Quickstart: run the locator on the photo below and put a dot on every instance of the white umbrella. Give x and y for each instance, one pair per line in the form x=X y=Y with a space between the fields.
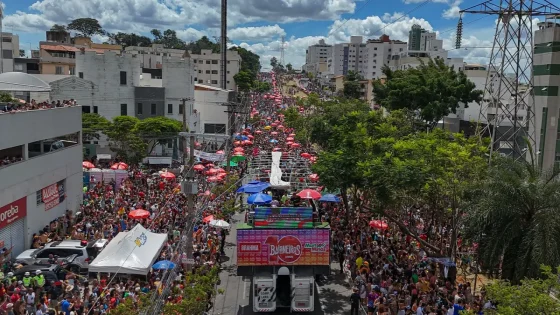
x=219 y=224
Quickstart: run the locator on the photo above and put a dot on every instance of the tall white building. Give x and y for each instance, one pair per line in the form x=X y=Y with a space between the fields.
x=10 y=50
x=317 y=56
x=46 y=180
x=380 y=52
x=208 y=68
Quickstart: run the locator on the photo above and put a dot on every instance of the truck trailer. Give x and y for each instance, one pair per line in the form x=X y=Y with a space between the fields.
x=283 y=262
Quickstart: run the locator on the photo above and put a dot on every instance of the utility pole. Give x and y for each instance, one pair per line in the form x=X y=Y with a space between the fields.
x=189 y=185
x=1 y=39
x=223 y=49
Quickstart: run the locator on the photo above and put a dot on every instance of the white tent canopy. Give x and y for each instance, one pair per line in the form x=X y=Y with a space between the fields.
x=20 y=81
x=132 y=252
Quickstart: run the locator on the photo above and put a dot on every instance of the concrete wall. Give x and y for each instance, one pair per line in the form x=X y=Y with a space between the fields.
x=30 y=126
x=178 y=80
x=144 y=97
x=105 y=70
x=210 y=106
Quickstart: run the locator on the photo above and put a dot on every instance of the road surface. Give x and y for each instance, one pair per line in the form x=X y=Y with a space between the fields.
x=331 y=294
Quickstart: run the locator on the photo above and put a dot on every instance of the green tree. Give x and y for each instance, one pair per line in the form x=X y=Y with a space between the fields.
x=514 y=215
x=158 y=130
x=58 y=28
x=93 y=125
x=532 y=296
x=22 y=52
x=262 y=87
x=168 y=38
x=86 y=27
x=124 y=139
x=274 y=62
x=352 y=85
x=130 y=39
x=243 y=80
x=289 y=68
x=204 y=42
x=6 y=97
x=250 y=62
x=433 y=89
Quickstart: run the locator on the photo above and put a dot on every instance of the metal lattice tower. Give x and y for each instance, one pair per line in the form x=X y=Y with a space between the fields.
x=507 y=110
x=282 y=50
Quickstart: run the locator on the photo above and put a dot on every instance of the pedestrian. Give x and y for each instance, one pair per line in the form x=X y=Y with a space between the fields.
x=355 y=302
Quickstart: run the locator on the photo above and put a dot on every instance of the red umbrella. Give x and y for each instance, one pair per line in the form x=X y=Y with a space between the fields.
x=167 y=175
x=309 y=194
x=247 y=142
x=290 y=139
x=212 y=171
x=279 y=127
x=295 y=145
x=238 y=149
x=251 y=137
x=198 y=167
x=238 y=154
x=314 y=177
x=276 y=149
x=214 y=179
x=274 y=133
x=208 y=219
x=292 y=135
x=220 y=152
x=119 y=166
x=378 y=224
x=305 y=155
x=258 y=132
x=220 y=170
x=139 y=214
x=87 y=164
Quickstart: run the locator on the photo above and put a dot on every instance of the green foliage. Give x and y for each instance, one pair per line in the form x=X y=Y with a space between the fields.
x=92 y=126
x=86 y=27
x=515 y=216
x=22 y=52
x=124 y=139
x=158 y=130
x=168 y=38
x=532 y=296
x=244 y=81
x=250 y=61
x=58 y=28
x=6 y=97
x=433 y=89
x=262 y=87
x=273 y=62
x=352 y=86
x=130 y=39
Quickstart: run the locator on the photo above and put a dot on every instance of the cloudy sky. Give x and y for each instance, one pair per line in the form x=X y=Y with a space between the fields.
x=259 y=24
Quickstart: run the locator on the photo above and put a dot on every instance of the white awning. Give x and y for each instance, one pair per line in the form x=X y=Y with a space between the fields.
x=20 y=81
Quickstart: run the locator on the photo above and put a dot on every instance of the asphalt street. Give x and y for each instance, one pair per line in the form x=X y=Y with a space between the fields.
x=331 y=294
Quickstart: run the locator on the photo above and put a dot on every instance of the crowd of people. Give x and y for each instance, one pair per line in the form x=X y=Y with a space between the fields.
x=22 y=106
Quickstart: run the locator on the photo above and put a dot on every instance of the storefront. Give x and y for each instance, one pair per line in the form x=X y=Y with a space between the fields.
x=12 y=225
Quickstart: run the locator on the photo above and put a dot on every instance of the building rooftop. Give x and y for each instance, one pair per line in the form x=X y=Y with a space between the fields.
x=202 y=87
x=59 y=48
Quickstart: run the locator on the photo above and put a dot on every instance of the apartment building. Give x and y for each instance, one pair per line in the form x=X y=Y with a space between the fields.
x=380 y=52
x=10 y=51
x=208 y=68
x=546 y=90
x=316 y=58
x=419 y=38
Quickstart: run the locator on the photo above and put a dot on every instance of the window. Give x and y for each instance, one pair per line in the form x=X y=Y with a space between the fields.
x=214 y=71
x=153 y=109
x=86 y=109
x=139 y=109
x=95 y=110
x=81 y=75
x=227 y=82
x=123 y=77
x=123 y=109
x=214 y=62
x=200 y=81
x=207 y=62
x=214 y=81
x=207 y=71
x=7 y=54
x=201 y=61
x=228 y=71
x=72 y=70
x=199 y=71
x=228 y=62
x=6 y=39
x=58 y=70
x=215 y=128
x=170 y=108
x=170 y=144
x=181 y=108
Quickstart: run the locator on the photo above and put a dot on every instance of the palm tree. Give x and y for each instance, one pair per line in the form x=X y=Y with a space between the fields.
x=515 y=217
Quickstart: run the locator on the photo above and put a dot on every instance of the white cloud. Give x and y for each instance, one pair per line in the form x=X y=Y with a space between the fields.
x=256 y=33
x=374 y=26
x=453 y=11
x=190 y=34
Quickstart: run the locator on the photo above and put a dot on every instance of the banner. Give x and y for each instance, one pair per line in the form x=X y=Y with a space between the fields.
x=12 y=212
x=260 y=247
x=283 y=218
x=213 y=157
x=50 y=196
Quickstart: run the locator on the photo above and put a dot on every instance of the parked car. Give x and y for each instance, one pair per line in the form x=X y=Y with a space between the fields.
x=85 y=253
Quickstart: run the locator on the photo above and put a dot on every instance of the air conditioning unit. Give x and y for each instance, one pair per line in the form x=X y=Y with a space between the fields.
x=189 y=187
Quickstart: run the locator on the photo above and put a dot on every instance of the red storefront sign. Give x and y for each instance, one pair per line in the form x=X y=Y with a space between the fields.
x=12 y=212
x=50 y=196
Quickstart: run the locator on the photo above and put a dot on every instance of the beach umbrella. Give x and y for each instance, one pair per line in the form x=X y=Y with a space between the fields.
x=219 y=224
x=208 y=219
x=139 y=214
x=163 y=265
x=87 y=164
x=259 y=199
x=238 y=158
x=198 y=167
x=378 y=224
x=167 y=175
x=309 y=194
x=329 y=198
x=119 y=166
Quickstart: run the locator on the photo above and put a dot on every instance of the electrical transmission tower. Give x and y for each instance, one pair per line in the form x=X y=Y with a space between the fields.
x=282 y=49
x=507 y=113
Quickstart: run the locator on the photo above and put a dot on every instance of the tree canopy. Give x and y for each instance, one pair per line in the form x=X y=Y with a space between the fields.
x=124 y=139
x=168 y=38
x=93 y=125
x=352 y=85
x=433 y=89
x=158 y=130
x=86 y=27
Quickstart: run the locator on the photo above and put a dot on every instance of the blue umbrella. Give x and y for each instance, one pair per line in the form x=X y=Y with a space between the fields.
x=164 y=264
x=253 y=188
x=329 y=198
x=253 y=182
x=259 y=199
x=273 y=141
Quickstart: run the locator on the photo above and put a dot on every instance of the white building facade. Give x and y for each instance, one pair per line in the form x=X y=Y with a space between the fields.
x=208 y=68
x=10 y=50
x=47 y=181
x=317 y=57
